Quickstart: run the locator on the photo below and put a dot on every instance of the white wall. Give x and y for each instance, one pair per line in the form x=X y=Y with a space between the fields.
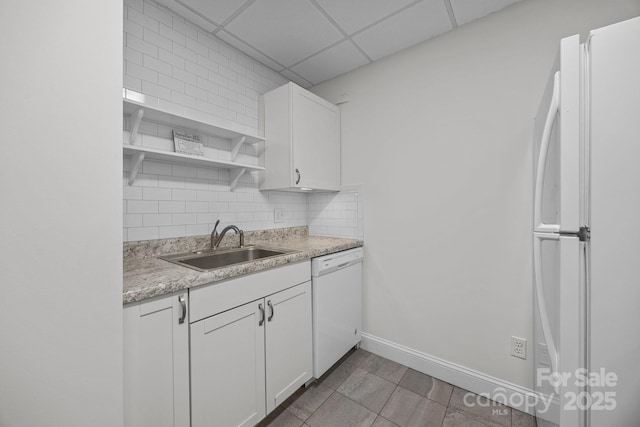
x=448 y=206
x=60 y=222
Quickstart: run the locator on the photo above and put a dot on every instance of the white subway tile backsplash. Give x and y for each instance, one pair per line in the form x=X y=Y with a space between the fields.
x=145 y=180
x=139 y=17
x=136 y=4
x=140 y=72
x=183 y=171
x=186 y=68
x=131 y=27
x=132 y=220
x=157 y=12
x=207 y=173
x=132 y=55
x=171 y=231
x=196 y=69
x=132 y=193
x=167 y=31
x=206 y=196
x=186 y=195
x=205 y=218
x=133 y=83
x=155 y=64
x=228 y=197
x=157 y=168
x=142 y=233
x=171 y=181
x=182 y=99
x=165 y=206
x=196 y=207
x=219 y=207
x=156 y=90
x=154 y=220
x=156 y=39
x=228 y=73
x=197 y=184
x=142 y=206
x=184 y=52
x=208 y=41
x=153 y=193
x=196 y=92
x=336 y=214
x=209 y=64
x=184 y=219
x=141 y=45
x=198 y=47
x=170 y=82
x=184 y=76
x=197 y=229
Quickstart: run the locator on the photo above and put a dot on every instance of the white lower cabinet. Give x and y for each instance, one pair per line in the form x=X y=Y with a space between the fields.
x=248 y=357
x=247 y=349
x=227 y=368
x=248 y=360
x=289 y=349
x=156 y=363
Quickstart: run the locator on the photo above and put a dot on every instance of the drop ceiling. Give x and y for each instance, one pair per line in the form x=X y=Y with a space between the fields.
x=310 y=41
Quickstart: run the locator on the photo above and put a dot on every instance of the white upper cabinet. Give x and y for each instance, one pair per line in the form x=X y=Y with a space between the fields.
x=302 y=133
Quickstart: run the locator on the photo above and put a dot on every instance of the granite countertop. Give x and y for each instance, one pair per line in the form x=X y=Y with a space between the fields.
x=146 y=276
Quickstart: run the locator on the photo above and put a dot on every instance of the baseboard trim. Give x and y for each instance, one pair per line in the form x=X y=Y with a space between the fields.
x=515 y=396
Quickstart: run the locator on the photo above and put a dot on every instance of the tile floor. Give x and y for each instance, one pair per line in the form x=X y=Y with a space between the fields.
x=364 y=389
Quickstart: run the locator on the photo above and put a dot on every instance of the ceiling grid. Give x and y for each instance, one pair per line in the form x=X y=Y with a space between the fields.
x=311 y=41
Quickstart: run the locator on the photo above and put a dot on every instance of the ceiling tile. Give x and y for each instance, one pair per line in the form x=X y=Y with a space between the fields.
x=354 y=15
x=332 y=62
x=426 y=19
x=296 y=78
x=217 y=11
x=286 y=30
x=243 y=47
x=468 y=10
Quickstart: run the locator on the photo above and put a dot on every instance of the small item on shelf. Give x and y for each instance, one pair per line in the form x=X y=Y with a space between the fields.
x=187 y=143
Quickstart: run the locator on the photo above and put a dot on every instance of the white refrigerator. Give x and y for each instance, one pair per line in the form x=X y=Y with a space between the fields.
x=586 y=238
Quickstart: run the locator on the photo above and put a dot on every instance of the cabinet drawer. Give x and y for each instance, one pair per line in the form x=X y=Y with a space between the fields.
x=217 y=297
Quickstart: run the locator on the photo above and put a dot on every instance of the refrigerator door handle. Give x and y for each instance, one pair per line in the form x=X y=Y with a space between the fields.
x=554 y=108
x=542 y=306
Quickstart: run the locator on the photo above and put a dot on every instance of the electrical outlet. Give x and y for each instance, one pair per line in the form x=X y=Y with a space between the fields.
x=279 y=215
x=519 y=347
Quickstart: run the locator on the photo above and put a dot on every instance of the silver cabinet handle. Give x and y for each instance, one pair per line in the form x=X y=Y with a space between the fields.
x=261 y=308
x=299 y=176
x=271 y=308
x=183 y=305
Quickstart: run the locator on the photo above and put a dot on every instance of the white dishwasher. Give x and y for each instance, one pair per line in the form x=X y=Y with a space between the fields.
x=337 y=306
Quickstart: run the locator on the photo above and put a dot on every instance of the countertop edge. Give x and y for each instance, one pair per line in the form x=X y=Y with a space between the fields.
x=153 y=277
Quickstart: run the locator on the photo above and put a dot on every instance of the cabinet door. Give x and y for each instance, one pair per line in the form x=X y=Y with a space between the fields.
x=316 y=141
x=227 y=368
x=156 y=363
x=289 y=347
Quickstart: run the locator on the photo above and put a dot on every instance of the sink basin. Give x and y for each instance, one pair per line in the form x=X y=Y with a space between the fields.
x=212 y=259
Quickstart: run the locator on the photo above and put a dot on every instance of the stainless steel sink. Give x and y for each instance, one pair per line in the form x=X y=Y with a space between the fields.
x=212 y=259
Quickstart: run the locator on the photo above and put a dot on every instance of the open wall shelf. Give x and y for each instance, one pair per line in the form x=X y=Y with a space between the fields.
x=140 y=106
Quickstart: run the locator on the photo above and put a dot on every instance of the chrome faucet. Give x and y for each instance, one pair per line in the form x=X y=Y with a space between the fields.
x=217 y=238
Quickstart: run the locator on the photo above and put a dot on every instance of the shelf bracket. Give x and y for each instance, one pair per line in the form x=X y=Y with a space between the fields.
x=136 y=126
x=237 y=143
x=235 y=176
x=136 y=164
